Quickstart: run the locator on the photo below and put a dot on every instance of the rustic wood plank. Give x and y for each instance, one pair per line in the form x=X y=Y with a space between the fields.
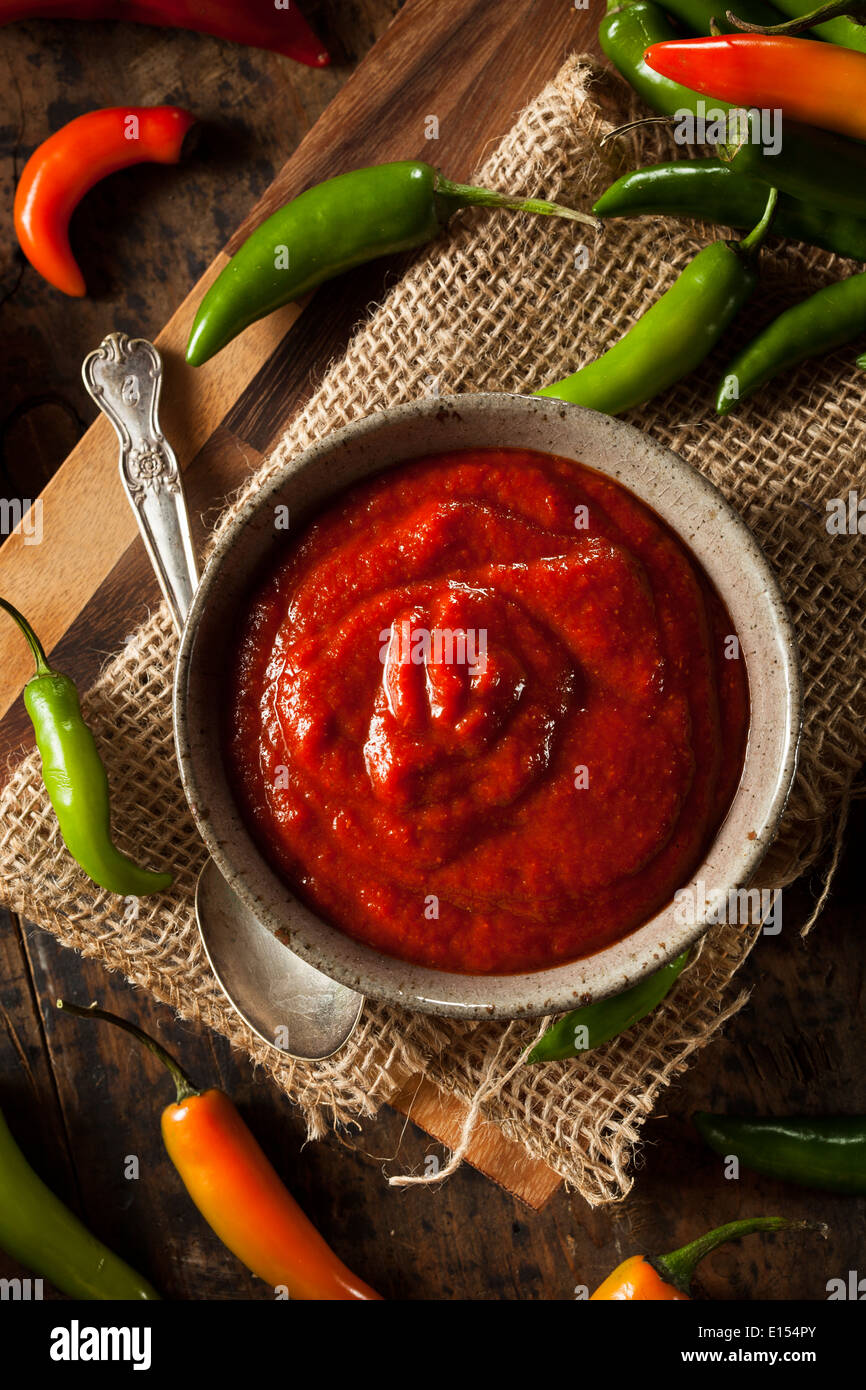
x=507 y=1163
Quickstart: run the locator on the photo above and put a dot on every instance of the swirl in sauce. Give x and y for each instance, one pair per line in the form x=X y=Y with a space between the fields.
x=481 y=716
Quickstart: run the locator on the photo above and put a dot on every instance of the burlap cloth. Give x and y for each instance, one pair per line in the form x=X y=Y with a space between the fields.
x=500 y=303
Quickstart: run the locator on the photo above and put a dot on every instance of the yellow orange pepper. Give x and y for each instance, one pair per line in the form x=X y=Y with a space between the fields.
x=668 y=1277
x=240 y=1196
x=237 y=1189
x=636 y=1280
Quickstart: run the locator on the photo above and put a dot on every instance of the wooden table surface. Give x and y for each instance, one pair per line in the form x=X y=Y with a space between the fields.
x=80 y=1099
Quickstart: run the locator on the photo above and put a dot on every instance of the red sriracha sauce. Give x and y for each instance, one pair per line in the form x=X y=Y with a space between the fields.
x=482 y=716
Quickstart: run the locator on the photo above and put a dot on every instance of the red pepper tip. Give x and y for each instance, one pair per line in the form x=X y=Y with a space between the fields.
x=310 y=57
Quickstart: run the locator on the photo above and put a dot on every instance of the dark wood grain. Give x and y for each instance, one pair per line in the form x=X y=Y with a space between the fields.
x=147 y=234
x=80 y=1098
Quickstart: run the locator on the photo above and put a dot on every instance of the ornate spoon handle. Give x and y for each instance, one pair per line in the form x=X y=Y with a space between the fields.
x=124 y=375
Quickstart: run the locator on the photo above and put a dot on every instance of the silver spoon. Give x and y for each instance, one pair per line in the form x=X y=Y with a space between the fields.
x=290 y=1005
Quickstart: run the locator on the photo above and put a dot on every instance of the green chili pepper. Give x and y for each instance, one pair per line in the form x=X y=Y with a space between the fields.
x=334 y=226
x=709 y=190
x=836 y=29
x=825 y=1153
x=605 y=1019
x=625 y=33
x=675 y=334
x=705 y=16
x=823 y=170
x=75 y=778
x=826 y=320
x=43 y=1235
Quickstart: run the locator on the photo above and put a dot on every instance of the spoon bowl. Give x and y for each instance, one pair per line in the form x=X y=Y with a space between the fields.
x=286 y=1002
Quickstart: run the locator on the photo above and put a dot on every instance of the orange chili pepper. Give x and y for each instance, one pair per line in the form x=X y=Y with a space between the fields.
x=237 y=1190
x=668 y=1277
x=813 y=82
x=66 y=165
x=636 y=1279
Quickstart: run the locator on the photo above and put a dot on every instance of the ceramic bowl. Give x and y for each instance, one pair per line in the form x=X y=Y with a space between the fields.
x=684 y=498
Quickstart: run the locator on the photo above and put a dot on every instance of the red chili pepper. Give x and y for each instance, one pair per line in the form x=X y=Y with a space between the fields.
x=256 y=23
x=816 y=83
x=59 y=173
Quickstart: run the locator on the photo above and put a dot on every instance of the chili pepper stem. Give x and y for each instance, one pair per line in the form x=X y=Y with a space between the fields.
x=836 y=10
x=633 y=125
x=752 y=243
x=183 y=1084
x=42 y=667
x=679 y=1266
x=461 y=195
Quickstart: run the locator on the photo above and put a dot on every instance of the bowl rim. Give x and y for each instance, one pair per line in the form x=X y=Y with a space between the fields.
x=531 y=994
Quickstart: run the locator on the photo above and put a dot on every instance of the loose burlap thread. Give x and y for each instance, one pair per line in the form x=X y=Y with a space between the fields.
x=501 y=304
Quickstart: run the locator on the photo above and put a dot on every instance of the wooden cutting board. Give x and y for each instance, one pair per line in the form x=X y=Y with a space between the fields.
x=471 y=63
